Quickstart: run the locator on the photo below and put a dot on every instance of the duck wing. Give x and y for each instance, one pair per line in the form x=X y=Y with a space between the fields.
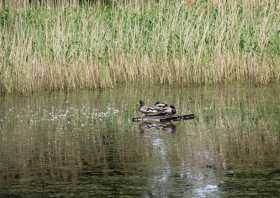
x=160 y=104
x=152 y=111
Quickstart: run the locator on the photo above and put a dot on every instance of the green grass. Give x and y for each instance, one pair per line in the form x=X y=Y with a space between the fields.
x=154 y=43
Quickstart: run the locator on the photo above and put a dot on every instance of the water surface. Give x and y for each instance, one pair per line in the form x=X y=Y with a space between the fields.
x=83 y=144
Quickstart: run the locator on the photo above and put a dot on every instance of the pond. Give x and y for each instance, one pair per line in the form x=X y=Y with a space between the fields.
x=84 y=144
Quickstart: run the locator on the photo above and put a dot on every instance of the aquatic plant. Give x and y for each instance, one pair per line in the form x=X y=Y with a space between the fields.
x=178 y=42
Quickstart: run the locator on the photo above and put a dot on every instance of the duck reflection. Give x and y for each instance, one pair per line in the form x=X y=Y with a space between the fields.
x=146 y=126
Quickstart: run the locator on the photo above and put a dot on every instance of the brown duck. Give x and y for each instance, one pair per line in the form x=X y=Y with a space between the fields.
x=157 y=109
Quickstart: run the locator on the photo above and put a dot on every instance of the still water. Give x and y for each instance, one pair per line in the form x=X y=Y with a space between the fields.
x=84 y=144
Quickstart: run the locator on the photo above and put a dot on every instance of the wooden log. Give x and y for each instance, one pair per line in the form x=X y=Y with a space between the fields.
x=163 y=118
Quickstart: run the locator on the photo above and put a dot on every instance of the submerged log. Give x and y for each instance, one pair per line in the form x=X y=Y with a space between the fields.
x=165 y=118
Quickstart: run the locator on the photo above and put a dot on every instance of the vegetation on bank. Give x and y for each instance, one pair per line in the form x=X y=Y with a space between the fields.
x=165 y=42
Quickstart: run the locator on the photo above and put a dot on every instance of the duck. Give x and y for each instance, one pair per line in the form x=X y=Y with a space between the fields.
x=169 y=109
x=157 y=109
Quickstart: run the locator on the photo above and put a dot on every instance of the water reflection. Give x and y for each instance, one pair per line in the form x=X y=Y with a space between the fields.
x=84 y=144
x=168 y=127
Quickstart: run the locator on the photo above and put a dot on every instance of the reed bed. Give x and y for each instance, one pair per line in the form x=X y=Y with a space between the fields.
x=174 y=43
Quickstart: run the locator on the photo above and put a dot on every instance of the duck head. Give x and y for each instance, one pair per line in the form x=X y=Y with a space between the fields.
x=173 y=109
x=141 y=103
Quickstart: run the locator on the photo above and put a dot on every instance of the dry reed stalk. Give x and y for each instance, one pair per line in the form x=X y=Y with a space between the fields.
x=66 y=48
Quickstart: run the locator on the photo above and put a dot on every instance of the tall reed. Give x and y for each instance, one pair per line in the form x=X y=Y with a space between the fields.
x=178 y=42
